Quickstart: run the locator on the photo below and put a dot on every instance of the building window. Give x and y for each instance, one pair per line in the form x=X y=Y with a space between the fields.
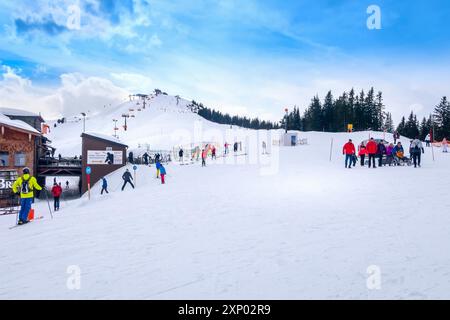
x=4 y=159
x=20 y=159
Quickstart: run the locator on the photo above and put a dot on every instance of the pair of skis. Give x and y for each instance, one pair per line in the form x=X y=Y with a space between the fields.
x=20 y=225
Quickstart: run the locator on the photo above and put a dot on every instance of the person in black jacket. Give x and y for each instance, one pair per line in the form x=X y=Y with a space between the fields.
x=381 y=151
x=127 y=178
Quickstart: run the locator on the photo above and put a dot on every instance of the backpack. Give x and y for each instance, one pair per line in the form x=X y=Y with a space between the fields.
x=25 y=188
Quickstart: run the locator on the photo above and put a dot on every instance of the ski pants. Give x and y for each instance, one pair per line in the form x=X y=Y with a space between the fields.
x=417 y=158
x=25 y=207
x=125 y=183
x=372 y=160
x=104 y=189
x=380 y=160
x=203 y=162
x=163 y=181
x=56 y=203
x=157 y=173
x=363 y=158
x=348 y=160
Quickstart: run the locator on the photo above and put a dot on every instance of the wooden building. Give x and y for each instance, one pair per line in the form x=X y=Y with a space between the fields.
x=103 y=154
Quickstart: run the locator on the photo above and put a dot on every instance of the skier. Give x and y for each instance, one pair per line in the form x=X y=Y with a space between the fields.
x=213 y=152
x=235 y=147
x=381 y=151
x=180 y=154
x=56 y=193
x=348 y=150
x=428 y=140
x=372 y=151
x=24 y=186
x=226 y=148
x=146 y=158
x=104 y=185
x=162 y=173
x=67 y=184
x=362 y=153
x=445 y=145
x=264 y=146
x=204 y=155
x=131 y=158
x=416 y=151
x=158 y=169
x=127 y=178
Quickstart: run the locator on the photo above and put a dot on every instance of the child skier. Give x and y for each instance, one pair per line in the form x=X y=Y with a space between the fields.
x=56 y=193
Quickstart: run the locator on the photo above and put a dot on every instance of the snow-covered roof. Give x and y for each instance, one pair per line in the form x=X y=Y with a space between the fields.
x=18 y=112
x=17 y=124
x=104 y=137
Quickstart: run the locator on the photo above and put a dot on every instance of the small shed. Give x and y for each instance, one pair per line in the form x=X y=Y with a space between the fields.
x=104 y=154
x=290 y=139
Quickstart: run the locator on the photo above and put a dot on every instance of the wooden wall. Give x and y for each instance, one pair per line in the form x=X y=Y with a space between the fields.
x=13 y=141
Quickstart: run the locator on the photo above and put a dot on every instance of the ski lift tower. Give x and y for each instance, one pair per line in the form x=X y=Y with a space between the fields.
x=125 y=116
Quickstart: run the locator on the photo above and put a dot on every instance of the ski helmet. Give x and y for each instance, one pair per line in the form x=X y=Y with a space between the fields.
x=26 y=170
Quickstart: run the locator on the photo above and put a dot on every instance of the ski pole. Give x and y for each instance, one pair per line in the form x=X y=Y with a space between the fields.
x=48 y=202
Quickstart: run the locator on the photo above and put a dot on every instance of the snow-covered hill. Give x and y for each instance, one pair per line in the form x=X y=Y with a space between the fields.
x=165 y=122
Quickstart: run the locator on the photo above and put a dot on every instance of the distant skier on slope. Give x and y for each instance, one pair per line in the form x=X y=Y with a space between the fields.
x=416 y=151
x=104 y=185
x=444 y=145
x=372 y=148
x=56 y=193
x=204 y=155
x=24 y=186
x=127 y=178
x=213 y=152
x=162 y=173
x=348 y=150
x=180 y=154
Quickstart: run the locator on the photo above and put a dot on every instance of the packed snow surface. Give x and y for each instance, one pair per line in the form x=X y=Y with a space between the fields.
x=311 y=229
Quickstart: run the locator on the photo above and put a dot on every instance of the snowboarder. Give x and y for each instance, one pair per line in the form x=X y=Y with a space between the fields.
x=445 y=145
x=56 y=193
x=204 y=155
x=372 y=148
x=24 y=186
x=104 y=185
x=127 y=178
x=348 y=150
x=428 y=140
x=362 y=153
x=381 y=151
x=162 y=173
x=180 y=154
x=416 y=151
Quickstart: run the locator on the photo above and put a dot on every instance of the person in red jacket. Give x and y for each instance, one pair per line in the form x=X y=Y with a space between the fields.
x=362 y=153
x=372 y=148
x=349 y=151
x=56 y=193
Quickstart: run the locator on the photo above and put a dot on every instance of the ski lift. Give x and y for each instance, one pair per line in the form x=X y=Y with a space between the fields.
x=133 y=116
x=131 y=109
x=139 y=109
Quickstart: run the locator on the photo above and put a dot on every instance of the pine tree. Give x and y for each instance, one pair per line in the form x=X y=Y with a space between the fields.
x=442 y=119
x=388 y=123
x=328 y=111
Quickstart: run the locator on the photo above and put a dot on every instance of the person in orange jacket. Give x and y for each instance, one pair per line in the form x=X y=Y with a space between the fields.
x=349 y=151
x=372 y=148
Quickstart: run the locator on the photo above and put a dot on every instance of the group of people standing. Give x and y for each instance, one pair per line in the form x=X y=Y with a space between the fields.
x=373 y=150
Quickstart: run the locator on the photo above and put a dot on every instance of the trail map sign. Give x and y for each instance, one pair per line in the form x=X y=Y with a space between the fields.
x=104 y=157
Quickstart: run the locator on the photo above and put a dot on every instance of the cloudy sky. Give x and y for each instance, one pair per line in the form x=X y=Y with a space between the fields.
x=252 y=57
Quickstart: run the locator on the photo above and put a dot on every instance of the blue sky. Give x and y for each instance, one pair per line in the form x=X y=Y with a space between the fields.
x=253 y=57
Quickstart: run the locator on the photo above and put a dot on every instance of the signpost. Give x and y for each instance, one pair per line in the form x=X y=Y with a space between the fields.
x=88 y=180
x=135 y=169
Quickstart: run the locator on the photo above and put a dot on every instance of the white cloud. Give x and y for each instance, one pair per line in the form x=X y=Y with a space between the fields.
x=75 y=94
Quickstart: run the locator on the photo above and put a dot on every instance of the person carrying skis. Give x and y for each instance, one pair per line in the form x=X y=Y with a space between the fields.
x=104 y=185
x=56 y=193
x=349 y=150
x=372 y=148
x=162 y=173
x=362 y=153
x=24 y=186
x=204 y=155
x=127 y=178
x=381 y=151
x=416 y=151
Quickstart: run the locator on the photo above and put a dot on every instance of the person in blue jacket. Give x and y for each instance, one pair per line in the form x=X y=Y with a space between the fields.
x=158 y=168
x=104 y=185
x=162 y=172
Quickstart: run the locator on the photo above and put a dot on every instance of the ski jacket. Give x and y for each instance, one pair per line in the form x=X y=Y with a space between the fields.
x=362 y=150
x=158 y=165
x=389 y=150
x=204 y=154
x=416 y=146
x=381 y=149
x=127 y=176
x=32 y=184
x=104 y=183
x=56 y=191
x=349 y=148
x=428 y=137
x=371 y=147
x=396 y=150
x=162 y=170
